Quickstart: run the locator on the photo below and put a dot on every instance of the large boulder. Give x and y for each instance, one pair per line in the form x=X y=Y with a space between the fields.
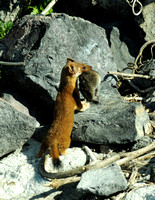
x=44 y=43
x=113 y=121
x=15 y=128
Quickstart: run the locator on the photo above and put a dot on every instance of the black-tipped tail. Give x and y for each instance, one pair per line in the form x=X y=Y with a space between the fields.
x=57 y=163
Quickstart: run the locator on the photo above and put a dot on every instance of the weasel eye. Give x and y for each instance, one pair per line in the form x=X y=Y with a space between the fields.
x=84 y=67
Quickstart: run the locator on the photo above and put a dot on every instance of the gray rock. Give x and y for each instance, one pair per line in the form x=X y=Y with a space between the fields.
x=44 y=43
x=20 y=179
x=15 y=128
x=71 y=37
x=120 y=50
x=75 y=157
x=113 y=121
x=104 y=181
x=15 y=103
x=147 y=20
x=143 y=142
x=124 y=44
x=143 y=193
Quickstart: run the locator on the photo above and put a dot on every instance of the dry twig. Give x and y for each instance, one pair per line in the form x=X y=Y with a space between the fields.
x=91 y=155
x=131 y=75
x=120 y=196
x=133 y=176
x=120 y=159
x=133 y=98
x=136 y=67
x=56 y=183
x=11 y=63
x=49 y=6
x=135 y=154
x=140 y=160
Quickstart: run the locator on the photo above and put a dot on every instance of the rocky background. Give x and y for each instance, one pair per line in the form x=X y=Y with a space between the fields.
x=107 y=36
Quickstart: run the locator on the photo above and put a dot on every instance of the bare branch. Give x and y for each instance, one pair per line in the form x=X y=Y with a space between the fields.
x=132 y=75
x=133 y=176
x=135 y=154
x=119 y=159
x=56 y=183
x=91 y=155
x=49 y=6
x=133 y=98
x=11 y=63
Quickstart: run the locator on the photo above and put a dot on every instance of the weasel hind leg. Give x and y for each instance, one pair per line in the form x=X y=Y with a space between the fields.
x=65 y=143
x=42 y=151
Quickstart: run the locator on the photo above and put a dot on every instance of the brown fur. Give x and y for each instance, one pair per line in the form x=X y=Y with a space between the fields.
x=67 y=101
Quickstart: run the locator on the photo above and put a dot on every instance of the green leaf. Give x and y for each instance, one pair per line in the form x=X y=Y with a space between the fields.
x=34 y=10
x=5 y=28
x=41 y=8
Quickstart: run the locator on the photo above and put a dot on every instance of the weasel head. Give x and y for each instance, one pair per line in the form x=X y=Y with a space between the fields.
x=74 y=69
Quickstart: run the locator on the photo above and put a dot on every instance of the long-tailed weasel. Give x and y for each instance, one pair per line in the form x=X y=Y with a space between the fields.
x=67 y=101
x=89 y=83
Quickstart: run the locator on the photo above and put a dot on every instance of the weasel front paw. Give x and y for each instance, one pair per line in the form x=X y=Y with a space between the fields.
x=85 y=105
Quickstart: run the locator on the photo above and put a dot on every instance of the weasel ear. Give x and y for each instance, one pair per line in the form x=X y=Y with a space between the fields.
x=90 y=67
x=69 y=59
